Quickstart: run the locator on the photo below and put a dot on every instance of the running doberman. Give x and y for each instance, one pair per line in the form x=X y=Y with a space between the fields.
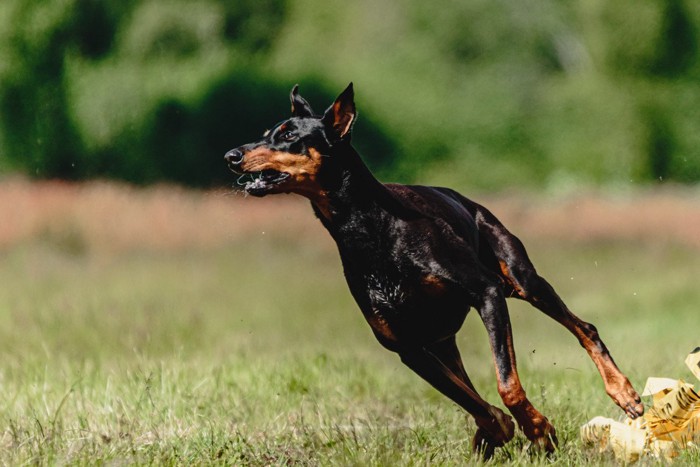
x=416 y=259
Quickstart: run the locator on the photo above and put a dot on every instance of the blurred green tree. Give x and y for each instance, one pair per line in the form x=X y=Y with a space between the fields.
x=485 y=93
x=141 y=90
x=37 y=127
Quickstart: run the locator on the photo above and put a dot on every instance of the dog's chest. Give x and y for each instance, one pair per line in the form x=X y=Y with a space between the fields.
x=386 y=294
x=387 y=277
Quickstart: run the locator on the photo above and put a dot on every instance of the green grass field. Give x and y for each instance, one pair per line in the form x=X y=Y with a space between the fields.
x=253 y=353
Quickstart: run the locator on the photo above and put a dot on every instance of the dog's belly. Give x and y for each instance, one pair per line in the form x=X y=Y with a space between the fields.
x=409 y=312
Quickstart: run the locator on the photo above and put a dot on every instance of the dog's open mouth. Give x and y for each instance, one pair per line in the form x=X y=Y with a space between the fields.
x=259 y=183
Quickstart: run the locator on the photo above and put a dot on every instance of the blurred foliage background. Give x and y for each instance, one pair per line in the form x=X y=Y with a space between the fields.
x=480 y=93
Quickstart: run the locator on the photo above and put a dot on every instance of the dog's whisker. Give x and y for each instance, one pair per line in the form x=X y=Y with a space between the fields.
x=232 y=192
x=241 y=180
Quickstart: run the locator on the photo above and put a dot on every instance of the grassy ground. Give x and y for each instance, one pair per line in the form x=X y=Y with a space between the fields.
x=248 y=350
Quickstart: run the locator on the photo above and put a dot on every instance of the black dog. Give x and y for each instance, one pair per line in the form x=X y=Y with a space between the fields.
x=416 y=259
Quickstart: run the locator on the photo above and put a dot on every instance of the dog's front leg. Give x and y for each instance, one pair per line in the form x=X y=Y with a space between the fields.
x=494 y=313
x=495 y=427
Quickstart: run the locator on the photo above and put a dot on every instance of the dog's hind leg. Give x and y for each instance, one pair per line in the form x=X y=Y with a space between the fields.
x=441 y=366
x=518 y=272
x=447 y=352
x=493 y=311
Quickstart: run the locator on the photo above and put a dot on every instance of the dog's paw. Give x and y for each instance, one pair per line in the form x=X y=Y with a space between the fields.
x=546 y=438
x=626 y=397
x=495 y=434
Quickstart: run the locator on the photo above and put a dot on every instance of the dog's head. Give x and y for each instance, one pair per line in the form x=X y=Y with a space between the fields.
x=288 y=158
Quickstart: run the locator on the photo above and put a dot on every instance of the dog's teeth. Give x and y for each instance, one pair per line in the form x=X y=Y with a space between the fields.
x=256 y=183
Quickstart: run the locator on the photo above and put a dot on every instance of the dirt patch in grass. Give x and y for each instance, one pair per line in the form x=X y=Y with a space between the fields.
x=112 y=217
x=107 y=216
x=668 y=215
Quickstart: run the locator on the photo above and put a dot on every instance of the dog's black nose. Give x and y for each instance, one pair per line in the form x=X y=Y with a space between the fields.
x=234 y=156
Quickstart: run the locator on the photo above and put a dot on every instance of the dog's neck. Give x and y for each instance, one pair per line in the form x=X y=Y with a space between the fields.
x=350 y=191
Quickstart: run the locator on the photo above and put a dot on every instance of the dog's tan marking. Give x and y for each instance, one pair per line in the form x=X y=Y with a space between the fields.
x=432 y=284
x=382 y=330
x=513 y=283
x=302 y=169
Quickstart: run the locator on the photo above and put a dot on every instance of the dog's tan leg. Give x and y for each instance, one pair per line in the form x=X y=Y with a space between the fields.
x=518 y=272
x=616 y=383
x=538 y=292
x=494 y=314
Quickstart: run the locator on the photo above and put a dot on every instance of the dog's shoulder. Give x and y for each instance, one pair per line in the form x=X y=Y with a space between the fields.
x=431 y=201
x=438 y=203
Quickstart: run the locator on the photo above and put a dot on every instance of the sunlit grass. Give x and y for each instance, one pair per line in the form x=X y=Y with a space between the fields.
x=252 y=352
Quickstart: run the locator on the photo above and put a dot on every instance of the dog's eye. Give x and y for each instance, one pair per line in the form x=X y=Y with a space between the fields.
x=287 y=136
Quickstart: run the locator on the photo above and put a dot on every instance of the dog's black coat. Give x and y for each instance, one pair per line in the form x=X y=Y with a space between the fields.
x=416 y=259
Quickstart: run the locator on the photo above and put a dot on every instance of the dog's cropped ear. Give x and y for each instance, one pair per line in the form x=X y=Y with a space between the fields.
x=340 y=116
x=300 y=108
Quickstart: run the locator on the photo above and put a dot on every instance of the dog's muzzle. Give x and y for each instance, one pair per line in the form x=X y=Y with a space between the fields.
x=257 y=183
